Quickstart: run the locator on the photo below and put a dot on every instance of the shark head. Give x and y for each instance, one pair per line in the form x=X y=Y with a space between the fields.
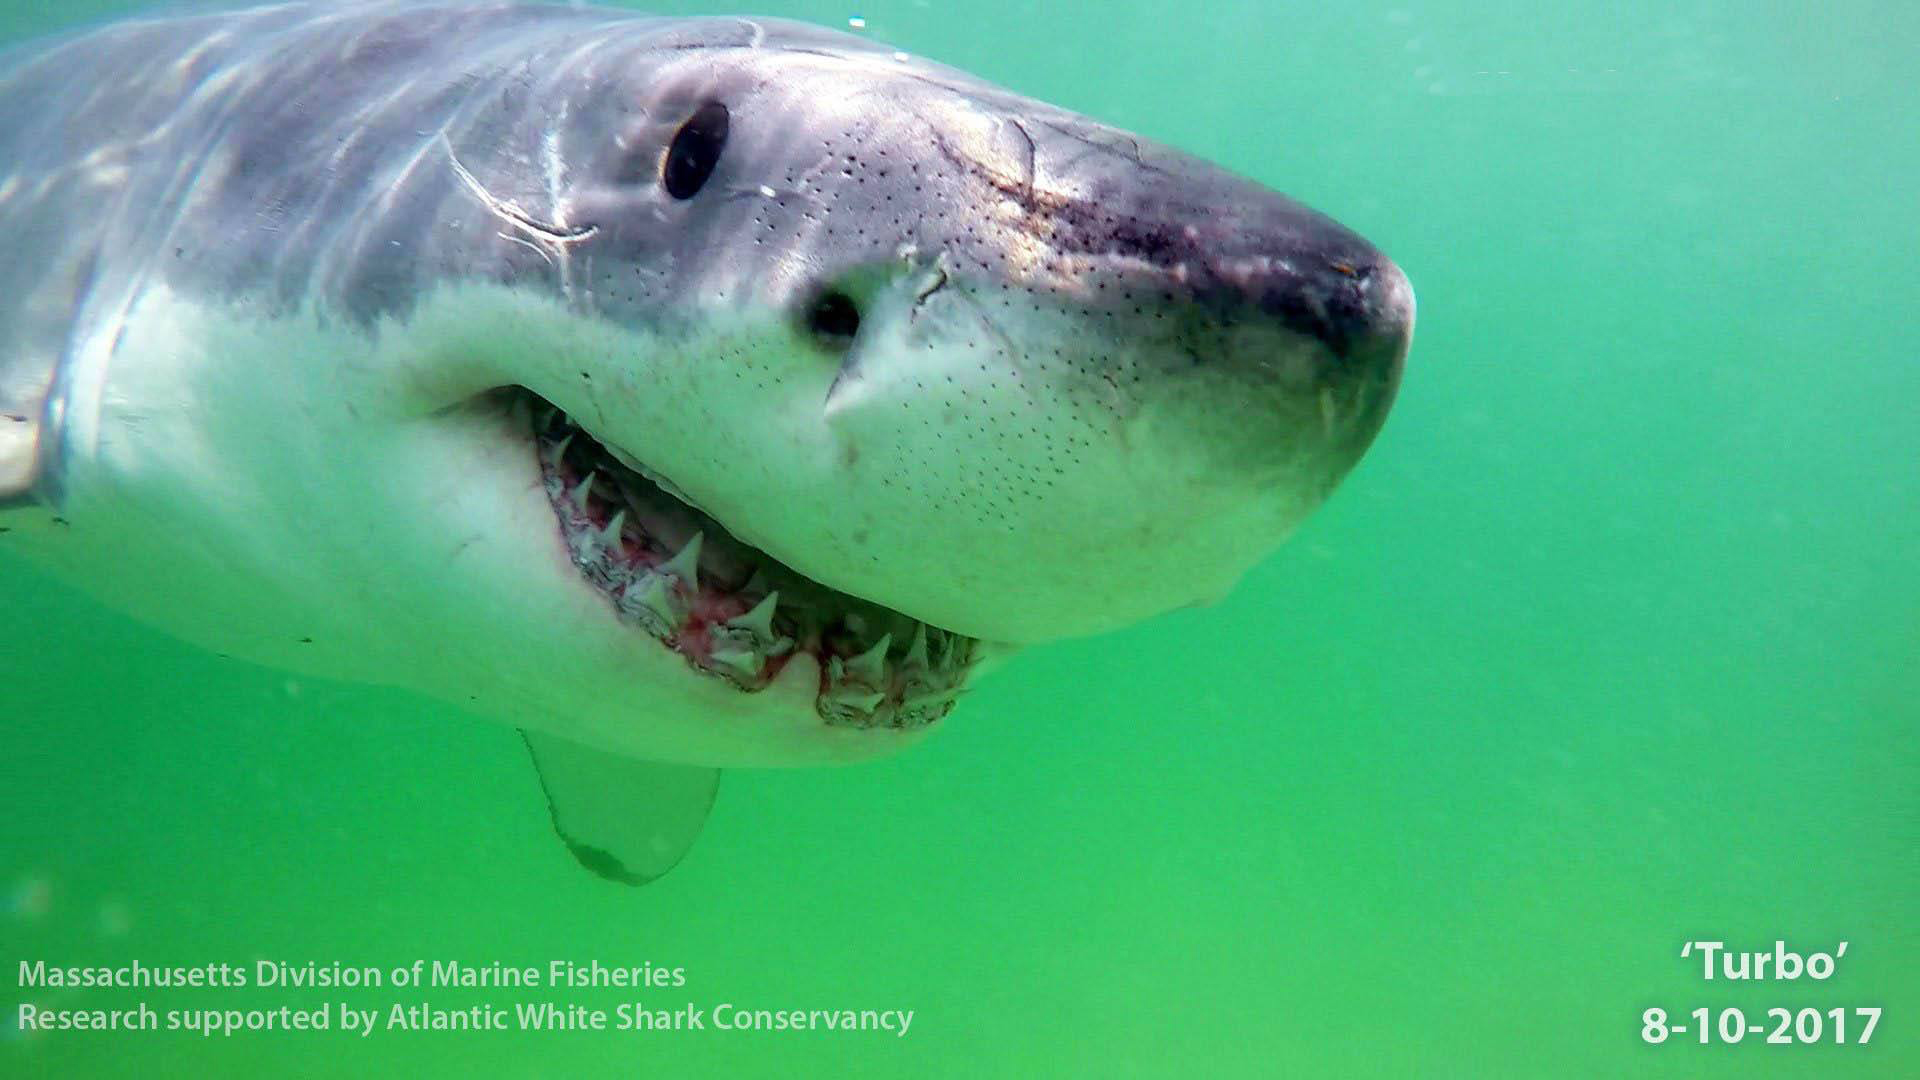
x=967 y=356
x=902 y=371
x=729 y=392
x=962 y=367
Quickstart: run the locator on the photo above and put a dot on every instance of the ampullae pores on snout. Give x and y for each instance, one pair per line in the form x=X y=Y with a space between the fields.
x=686 y=392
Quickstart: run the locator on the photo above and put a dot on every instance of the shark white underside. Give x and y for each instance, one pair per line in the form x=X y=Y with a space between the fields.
x=278 y=572
x=272 y=562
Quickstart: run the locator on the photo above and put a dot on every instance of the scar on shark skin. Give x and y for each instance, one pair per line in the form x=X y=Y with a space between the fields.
x=509 y=212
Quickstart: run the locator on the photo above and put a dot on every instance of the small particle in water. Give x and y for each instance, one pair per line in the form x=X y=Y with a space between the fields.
x=857 y=22
x=902 y=57
x=115 y=919
x=30 y=898
x=768 y=192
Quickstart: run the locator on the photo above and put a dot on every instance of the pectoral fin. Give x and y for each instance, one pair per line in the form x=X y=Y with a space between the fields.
x=626 y=820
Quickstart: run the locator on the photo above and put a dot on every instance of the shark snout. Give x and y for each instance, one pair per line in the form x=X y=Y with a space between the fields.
x=1299 y=327
x=1233 y=256
x=1369 y=305
x=1356 y=304
x=1385 y=329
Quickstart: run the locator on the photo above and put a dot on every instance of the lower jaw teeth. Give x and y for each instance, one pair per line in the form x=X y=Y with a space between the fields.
x=650 y=602
x=744 y=663
x=877 y=686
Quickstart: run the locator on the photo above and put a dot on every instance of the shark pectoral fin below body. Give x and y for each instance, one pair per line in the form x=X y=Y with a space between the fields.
x=626 y=820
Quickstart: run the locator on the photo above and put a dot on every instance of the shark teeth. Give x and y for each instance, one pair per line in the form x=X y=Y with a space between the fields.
x=614 y=517
x=610 y=536
x=745 y=662
x=850 y=704
x=870 y=667
x=759 y=621
x=921 y=711
x=862 y=691
x=743 y=644
x=854 y=699
x=916 y=658
x=686 y=565
x=753 y=631
x=658 y=607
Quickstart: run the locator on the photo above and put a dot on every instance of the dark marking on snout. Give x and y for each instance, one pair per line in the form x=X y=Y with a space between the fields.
x=1196 y=233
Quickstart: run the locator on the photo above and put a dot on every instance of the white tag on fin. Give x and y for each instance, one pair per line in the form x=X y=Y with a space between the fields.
x=19 y=454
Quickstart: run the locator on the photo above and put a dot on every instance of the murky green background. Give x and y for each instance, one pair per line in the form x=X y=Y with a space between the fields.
x=1613 y=641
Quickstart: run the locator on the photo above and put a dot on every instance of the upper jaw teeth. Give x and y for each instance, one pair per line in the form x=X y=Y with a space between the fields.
x=742 y=634
x=686 y=565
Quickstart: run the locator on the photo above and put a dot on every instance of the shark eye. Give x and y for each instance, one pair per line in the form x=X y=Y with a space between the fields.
x=695 y=150
x=834 y=319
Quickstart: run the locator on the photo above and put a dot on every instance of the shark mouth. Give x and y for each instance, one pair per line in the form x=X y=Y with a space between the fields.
x=731 y=610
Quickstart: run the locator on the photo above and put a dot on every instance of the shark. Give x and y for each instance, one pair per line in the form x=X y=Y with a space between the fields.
x=687 y=393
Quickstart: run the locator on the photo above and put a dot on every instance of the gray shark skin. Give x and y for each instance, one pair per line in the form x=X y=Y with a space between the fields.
x=688 y=392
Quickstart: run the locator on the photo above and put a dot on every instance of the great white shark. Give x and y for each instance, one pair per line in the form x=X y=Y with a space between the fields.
x=687 y=392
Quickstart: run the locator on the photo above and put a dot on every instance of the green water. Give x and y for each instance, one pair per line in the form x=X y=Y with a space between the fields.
x=1612 y=642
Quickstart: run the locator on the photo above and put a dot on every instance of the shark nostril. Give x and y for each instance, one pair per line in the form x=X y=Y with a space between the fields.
x=833 y=320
